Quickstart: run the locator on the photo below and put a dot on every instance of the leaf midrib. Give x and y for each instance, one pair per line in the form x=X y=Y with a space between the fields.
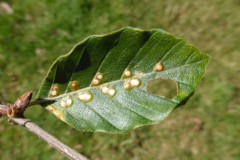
x=121 y=80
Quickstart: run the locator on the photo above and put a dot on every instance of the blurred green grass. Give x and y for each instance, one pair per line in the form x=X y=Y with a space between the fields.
x=205 y=128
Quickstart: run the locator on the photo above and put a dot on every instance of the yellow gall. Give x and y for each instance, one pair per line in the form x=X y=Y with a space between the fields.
x=134 y=82
x=63 y=104
x=104 y=89
x=127 y=85
x=99 y=76
x=55 y=90
x=158 y=67
x=69 y=102
x=85 y=96
x=73 y=85
x=127 y=73
x=66 y=102
x=95 y=82
x=54 y=93
x=111 y=92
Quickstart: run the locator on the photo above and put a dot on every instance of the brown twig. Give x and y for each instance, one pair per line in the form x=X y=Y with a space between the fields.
x=51 y=140
x=17 y=110
x=15 y=113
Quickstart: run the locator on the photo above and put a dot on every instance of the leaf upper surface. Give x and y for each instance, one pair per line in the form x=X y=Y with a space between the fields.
x=101 y=84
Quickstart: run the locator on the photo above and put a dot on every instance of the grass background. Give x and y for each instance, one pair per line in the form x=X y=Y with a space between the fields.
x=205 y=128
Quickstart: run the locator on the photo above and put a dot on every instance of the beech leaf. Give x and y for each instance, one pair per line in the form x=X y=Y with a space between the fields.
x=102 y=83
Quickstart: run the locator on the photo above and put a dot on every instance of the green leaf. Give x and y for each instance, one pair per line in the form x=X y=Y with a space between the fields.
x=101 y=84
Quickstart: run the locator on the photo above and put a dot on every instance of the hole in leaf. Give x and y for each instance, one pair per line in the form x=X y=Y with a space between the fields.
x=162 y=87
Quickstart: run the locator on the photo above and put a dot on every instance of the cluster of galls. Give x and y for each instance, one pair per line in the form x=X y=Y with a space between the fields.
x=130 y=82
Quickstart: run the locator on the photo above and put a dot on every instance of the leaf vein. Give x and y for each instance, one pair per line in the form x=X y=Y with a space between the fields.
x=100 y=116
